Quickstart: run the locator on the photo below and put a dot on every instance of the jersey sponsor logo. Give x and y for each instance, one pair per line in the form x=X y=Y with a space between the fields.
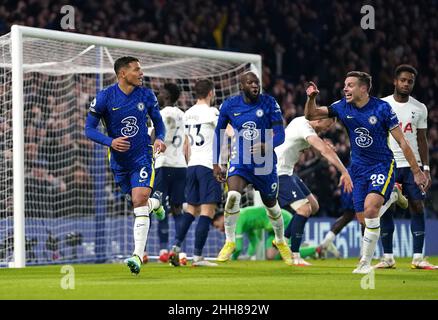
x=250 y=132
x=259 y=113
x=140 y=106
x=364 y=140
x=130 y=129
x=372 y=120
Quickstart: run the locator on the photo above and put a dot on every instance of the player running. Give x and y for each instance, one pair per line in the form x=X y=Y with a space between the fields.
x=258 y=128
x=124 y=108
x=294 y=195
x=369 y=121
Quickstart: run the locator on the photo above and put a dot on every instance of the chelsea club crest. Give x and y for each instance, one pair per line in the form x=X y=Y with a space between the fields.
x=140 y=106
x=259 y=113
x=372 y=120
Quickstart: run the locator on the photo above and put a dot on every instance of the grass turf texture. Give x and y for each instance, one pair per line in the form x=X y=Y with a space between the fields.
x=245 y=280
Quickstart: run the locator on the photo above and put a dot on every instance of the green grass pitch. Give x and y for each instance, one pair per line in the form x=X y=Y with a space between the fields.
x=245 y=280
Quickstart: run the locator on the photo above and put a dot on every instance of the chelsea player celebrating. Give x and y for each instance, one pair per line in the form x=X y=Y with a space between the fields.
x=369 y=121
x=124 y=108
x=258 y=128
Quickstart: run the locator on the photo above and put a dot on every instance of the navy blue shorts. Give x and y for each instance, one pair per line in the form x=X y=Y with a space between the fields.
x=346 y=201
x=266 y=184
x=172 y=183
x=139 y=177
x=202 y=187
x=292 y=189
x=405 y=177
x=378 y=179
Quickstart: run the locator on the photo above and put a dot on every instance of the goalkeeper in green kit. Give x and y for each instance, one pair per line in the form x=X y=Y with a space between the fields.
x=252 y=222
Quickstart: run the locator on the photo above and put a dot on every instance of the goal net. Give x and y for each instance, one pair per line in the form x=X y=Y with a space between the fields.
x=59 y=190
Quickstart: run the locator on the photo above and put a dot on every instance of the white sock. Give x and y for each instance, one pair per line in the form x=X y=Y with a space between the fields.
x=230 y=221
x=385 y=207
x=277 y=222
x=141 y=229
x=370 y=238
x=417 y=256
x=329 y=238
x=154 y=203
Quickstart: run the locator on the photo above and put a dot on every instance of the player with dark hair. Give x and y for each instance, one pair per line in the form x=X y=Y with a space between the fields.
x=369 y=121
x=171 y=165
x=258 y=128
x=203 y=192
x=412 y=115
x=124 y=108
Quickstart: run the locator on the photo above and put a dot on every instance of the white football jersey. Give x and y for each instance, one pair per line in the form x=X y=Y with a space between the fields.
x=295 y=141
x=173 y=157
x=412 y=115
x=201 y=122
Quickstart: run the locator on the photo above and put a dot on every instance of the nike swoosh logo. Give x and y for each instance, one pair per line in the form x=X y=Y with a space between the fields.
x=114 y=109
x=350 y=117
x=236 y=114
x=142 y=180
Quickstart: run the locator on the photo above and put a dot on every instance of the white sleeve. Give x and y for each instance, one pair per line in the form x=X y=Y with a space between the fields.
x=422 y=121
x=306 y=130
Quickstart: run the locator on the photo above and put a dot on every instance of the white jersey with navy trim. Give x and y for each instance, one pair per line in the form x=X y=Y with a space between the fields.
x=412 y=115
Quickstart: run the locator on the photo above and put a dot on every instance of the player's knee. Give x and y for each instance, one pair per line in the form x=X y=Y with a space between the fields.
x=139 y=199
x=232 y=204
x=141 y=211
x=274 y=212
x=302 y=207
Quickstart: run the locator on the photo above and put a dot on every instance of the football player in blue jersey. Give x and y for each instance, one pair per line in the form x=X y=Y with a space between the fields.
x=258 y=128
x=124 y=108
x=369 y=121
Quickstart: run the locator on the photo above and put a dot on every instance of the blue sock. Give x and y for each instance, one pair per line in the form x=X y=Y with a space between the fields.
x=184 y=226
x=297 y=229
x=177 y=220
x=418 y=231
x=288 y=228
x=163 y=232
x=387 y=231
x=201 y=234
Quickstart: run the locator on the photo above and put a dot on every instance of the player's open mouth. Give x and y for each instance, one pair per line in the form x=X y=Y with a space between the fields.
x=348 y=95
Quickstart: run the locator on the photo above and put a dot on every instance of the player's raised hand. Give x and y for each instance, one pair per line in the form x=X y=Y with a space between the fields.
x=421 y=180
x=219 y=173
x=159 y=146
x=346 y=182
x=312 y=90
x=121 y=144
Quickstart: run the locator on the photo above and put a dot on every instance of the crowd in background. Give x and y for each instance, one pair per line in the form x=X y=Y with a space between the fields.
x=318 y=40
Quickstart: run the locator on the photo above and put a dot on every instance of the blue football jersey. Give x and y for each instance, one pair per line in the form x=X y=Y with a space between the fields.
x=126 y=116
x=252 y=123
x=368 y=129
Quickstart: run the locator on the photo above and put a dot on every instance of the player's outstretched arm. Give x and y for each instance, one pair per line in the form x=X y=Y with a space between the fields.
x=419 y=177
x=328 y=153
x=92 y=133
x=311 y=111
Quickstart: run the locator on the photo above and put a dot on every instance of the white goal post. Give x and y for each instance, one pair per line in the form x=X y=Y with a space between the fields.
x=39 y=52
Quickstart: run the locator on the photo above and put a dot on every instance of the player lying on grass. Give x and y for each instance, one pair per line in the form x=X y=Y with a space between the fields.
x=252 y=222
